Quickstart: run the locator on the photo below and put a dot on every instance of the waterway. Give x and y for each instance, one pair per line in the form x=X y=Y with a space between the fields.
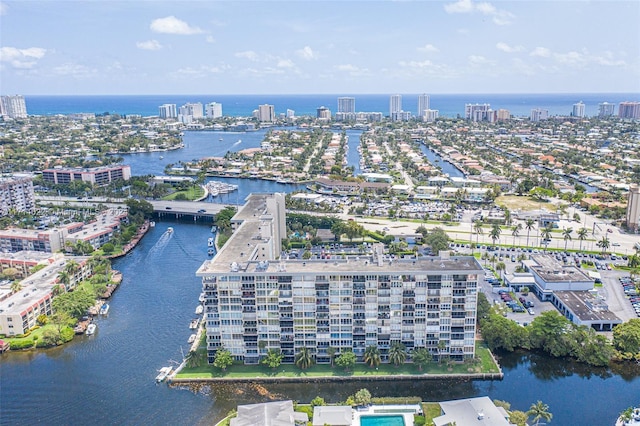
x=109 y=377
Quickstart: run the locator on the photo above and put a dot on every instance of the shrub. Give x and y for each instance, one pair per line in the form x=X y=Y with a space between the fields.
x=22 y=344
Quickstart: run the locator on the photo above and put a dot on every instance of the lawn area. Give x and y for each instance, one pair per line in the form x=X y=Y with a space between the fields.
x=485 y=365
x=191 y=194
x=514 y=202
x=431 y=410
x=34 y=336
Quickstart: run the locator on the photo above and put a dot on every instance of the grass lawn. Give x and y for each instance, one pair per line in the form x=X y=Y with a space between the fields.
x=34 y=335
x=191 y=194
x=359 y=370
x=514 y=202
x=430 y=410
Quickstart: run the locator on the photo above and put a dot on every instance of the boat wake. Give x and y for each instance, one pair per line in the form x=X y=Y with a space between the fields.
x=238 y=143
x=161 y=243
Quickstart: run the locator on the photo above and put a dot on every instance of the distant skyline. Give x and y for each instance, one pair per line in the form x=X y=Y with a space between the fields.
x=318 y=47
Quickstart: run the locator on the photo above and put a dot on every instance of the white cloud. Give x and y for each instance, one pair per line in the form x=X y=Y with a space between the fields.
x=428 y=48
x=307 y=53
x=210 y=39
x=499 y=16
x=173 y=25
x=478 y=61
x=149 y=45
x=198 y=72
x=286 y=63
x=508 y=49
x=542 y=52
x=3 y=8
x=21 y=58
x=247 y=54
x=75 y=70
x=352 y=70
x=416 y=64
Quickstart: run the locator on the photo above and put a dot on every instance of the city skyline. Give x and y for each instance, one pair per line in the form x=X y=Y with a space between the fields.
x=201 y=47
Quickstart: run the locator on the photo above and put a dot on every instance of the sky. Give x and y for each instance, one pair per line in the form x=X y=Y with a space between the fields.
x=104 y=47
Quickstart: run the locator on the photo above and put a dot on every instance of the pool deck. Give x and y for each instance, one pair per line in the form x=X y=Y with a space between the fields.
x=406 y=411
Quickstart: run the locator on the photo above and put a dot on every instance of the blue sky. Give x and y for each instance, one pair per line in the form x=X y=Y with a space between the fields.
x=287 y=47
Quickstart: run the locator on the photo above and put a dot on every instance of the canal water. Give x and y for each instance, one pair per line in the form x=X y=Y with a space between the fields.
x=109 y=377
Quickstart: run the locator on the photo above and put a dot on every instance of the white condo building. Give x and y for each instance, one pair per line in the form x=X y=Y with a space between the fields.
x=190 y=111
x=629 y=110
x=13 y=106
x=395 y=104
x=347 y=105
x=16 y=193
x=423 y=105
x=633 y=207
x=606 y=109
x=266 y=113
x=168 y=111
x=213 y=110
x=430 y=115
x=256 y=301
x=477 y=112
x=538 y=114
x=578 y=110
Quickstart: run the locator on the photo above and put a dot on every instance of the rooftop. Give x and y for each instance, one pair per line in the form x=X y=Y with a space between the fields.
x=587 y=306
x=550 y=270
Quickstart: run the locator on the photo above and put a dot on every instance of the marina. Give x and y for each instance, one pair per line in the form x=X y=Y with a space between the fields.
x=215 y=188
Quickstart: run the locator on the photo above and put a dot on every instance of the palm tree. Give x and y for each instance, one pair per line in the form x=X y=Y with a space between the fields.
x=500 y=266
x=477 y=228
x=421 y=357
x=331 y=352
x=495 y=233
x=566 y=234
x=372 y=356
x=515 y=232
x=397 y=354
x=582 y=235
x=304 y=358
x=539 y=411
x=16 y=286
x=545 y=233
x=63 y=278
x=603 y=244
x=529 y=225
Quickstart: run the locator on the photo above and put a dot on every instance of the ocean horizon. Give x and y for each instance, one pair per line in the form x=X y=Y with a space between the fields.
x=449 y=105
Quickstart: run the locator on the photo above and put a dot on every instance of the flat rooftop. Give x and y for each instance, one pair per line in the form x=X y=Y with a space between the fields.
x=587 y=306
x=550 y=270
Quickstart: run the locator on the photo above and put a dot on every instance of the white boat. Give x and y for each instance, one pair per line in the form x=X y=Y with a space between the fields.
x=104 y=309
x=199 y=310
x=192 y=338
x=169 y=230
x=210 y=242
x=152 y=224
x=163 y=374
x=91 y=329
x=194 y=323
x=214 y=229
x=201 y=298
x=161 y=157
x=211 y=252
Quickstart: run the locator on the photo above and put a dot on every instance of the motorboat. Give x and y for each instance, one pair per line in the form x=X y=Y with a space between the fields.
x=192 y=338
x=194 y=323
x=104 y=309
x=199 y=310
x=211 y=252
x=214 y=229
x=201 y=298
x=91 y=329
x=210 y=242
x=152 y=224
x=163 y=374
x=169 y=230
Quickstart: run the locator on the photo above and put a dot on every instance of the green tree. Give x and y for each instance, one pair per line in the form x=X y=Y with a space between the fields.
x=397 y=354
x=353 y=230
x=346 y=360
x=108 y=248
x=518 y=418
x=318 y=401
x=626 y=336
x=75 y=303
x=582 y=235
x=223 y=359
x=421 y=357
x=477 y=229
x=500 y=267
x=545 y=234
x=529 y=225
x=331 y=353
x=304 y=358
x=495 y=232
x=550 y=332
x=539 y=411
x=372 y=356
x=273 y=359
x=16 y=286
x=515 y=232
x=362 y=397
x=438 y=240
x=502 y=333
x=603 y=244
x=566 y=234
x=195 y=358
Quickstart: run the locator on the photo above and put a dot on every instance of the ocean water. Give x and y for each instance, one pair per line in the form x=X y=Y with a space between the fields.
x=243 y=105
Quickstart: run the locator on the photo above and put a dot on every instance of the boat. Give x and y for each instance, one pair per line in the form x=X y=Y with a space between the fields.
x=91 y=329
x=210 y=242
x=104 y=309
x=201 y=298
x=169 y=230
x=163 y=374
x=152 y=224
x=161 y=157
x=192 y=338
x=211 y=252
x=221 y=139
x=199 y=310
x=194 y=323
x=214 y=229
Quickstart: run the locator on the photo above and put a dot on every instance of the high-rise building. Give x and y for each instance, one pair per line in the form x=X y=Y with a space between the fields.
x=605 y=109
x=578 y=110
x=213 y=110
x=633 y=207
x=477 y=112
x=395 y=104
x=13 y=106
x=291 y=113
x=190 y=111
x=256 y=302
x=323 y=113
x=629 y=110
x=347 y=105
x=430 y=115
x=168 y=111
x=423 y=104
x=503 y=115
x=538 y=114
x=16 y=193
x=266 y=113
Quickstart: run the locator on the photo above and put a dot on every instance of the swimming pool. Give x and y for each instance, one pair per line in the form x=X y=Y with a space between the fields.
x=381 y=420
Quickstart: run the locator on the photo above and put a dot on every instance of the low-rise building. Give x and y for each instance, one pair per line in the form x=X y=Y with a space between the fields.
x=94 y=175
x=479 y=411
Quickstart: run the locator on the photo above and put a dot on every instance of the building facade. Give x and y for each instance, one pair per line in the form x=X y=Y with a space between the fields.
x=605 y=109
x=16 y=193
x=13 y=106
x=477 y=112
x=168 y=111
x=323 y=113
x=347 y=105
x=629 y=110
x=213 y=110
x=266 y=113
x=254 y=302
x=578 y=110
x=395 y=104
x=424 y=104
x=538 y=114
x=93 y=175
x=633 y=208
